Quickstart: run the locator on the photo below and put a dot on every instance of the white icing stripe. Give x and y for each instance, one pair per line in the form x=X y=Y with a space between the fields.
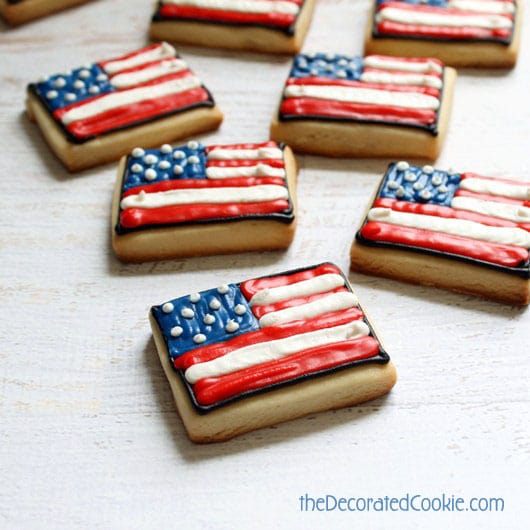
x=363 y=95
x=269 y=351
x=260 y=170
x=147 y=74
x=316 y=285
x=458 y=227
x=494 y=187
x=483 y=6
x=424 y=18
x=402 y=79
x=511 y=212
x=205 y=195
x=387 y=63
x=328 y=304
x=244 y=6
x=127 y=97
x=163 y=51
x=261 y=153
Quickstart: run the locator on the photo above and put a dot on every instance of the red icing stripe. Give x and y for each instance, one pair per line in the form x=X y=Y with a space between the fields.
x=218 y=15
x=485 y=197
x=288 y=329
x=445 y=211
x=136 y=217
x=237 y=182
x=241 y=146
x=251 y=287
x=211 y=390
x=359 y=111
x=468 y=175
x=260 y=310
x=130 y=55
x=396 y=28
x=506 y=255
x=323 y=81
x=273 y=162
x=136 y=112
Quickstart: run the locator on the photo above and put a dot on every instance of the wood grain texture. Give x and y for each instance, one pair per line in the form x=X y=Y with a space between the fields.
x=90 y=437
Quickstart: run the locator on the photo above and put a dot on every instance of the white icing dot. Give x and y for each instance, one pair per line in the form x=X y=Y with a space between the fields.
x=179 y=155
x=195 y=297
x=436 y=180
x=101 y=78
x=330 y=68
x=222 y=289
x=321 y=63
x=393 y=185
x=94 y=89
x=199 y=338
x=342 y=62
x=59 y=82
x=193 y=145
x=215 y=304
x=232 y=326
x=417 y=186
x=427 y=169
x=400 y=192
x=402 y=166
x=314 y=71
x=240 y=309
x=150 y=174
x=164 y=164
x=426 y=194
x=52 y=94
x=168 y=307
x=302 y=63
x=84 y=74
x=166 y=149
x=310 y=55
x=79 y=84
x=150 y=159
x=410 y=177
x=137 y=152
x=342 y=73
x=177 y=170
x=193 y=159
x=330 y=56
x=136 y=168
x=442 y=189
x=70 y=97
x=208 y=319
x=187 y=313
x=176 y=331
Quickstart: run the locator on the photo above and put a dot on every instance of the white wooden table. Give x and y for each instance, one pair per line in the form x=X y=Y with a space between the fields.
x=90 y=437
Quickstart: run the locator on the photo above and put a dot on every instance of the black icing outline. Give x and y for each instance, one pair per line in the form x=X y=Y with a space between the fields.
x=289 y=30
x=522 y=270
x=504 y=42
x=432 y=129
x=287 y=216
x=32 y=89
x=382 y=356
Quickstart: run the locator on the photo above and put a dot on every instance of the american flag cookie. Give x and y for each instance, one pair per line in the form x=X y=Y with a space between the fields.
x=251 y=354
x=17 y=12
x=273 y=26
x=99 y=112
x=459 y=231
x=336 y=105
x=459 y=32
x=196 y=200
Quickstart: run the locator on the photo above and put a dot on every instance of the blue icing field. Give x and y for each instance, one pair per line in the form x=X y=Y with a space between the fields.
x=204 y=318
x=327 y=65
x=419 y=184
x=433 y=3
x=149 y=166
x=61 y=90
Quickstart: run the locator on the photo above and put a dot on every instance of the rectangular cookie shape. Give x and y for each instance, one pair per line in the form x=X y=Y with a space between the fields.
x=197 y=200
x=273 y=26
x=337 y=105
x=98 y=112
x=252 y=354
x=459 y=231
x=459 y=32
x=17 y=12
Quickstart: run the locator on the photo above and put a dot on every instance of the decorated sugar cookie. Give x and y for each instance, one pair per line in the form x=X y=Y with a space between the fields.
x=456 y=230
x=459 y=32
x=337 y=105
x=247 y=355
x=17 y=12
x=274 y=26
x=196 y=200
x=98 y=112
